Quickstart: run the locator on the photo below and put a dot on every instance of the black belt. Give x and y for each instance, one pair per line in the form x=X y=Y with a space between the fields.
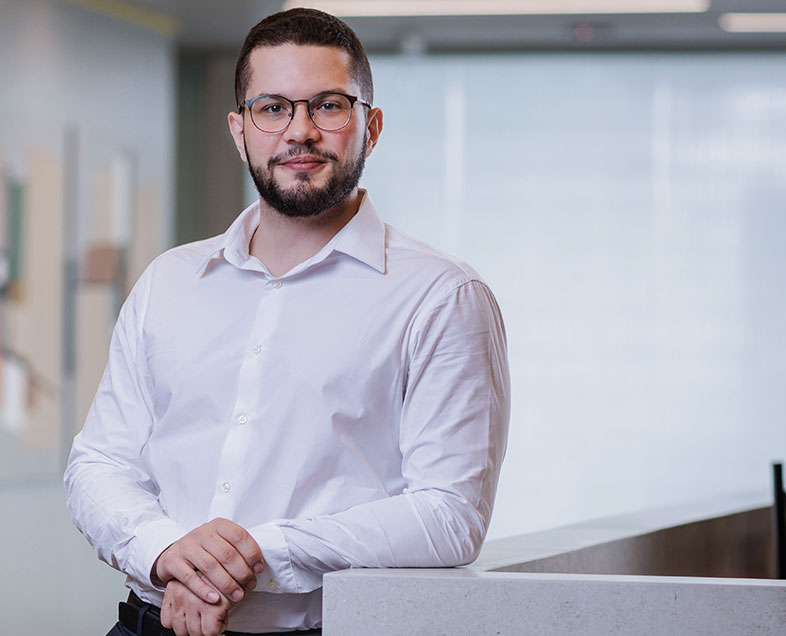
x=151 y=621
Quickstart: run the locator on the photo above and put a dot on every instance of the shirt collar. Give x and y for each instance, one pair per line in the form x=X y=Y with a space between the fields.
x=362 y=238
x=233 y=244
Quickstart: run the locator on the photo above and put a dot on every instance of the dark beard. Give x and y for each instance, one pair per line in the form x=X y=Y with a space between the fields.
x=304 y=200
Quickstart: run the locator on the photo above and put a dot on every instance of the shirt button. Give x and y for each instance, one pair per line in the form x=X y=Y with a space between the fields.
x=272 y=586
x=242 y=419
x=226 y=486
x=258 y=349
x=277 y=284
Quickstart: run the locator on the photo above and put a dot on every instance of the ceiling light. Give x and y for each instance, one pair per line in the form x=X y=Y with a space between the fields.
x=753 y=22
x=379 y=8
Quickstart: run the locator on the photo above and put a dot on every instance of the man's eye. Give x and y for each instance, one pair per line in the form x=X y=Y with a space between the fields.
x=273 y=109
x=329 y=106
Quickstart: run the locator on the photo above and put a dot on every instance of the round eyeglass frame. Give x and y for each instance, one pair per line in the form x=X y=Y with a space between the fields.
x=351 y=98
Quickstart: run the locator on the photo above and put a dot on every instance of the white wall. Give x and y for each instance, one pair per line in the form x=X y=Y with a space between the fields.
x=629 y=211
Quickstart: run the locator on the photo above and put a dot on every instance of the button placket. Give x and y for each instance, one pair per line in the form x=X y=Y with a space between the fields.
x=243 y=423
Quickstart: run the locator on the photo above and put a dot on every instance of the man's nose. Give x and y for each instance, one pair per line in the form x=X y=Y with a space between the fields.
x=301 y=129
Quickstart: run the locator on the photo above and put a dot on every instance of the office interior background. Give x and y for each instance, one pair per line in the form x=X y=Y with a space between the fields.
x=619 y=179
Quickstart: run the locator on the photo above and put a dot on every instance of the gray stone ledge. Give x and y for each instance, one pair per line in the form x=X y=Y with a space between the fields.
x=618 y=576
x=473 y=603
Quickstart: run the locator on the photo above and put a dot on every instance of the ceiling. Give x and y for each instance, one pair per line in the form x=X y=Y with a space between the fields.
x=224 y=23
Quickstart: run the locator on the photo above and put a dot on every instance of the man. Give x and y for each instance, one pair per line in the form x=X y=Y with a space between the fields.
x=310 y=391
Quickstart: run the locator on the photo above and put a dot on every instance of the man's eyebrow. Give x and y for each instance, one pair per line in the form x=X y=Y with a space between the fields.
x=342 y=91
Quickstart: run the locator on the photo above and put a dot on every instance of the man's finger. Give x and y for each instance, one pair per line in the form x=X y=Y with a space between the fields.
x=166 y=613
x=179 y=622
x=213 y=622
x=243 y=542
x=186 y=573
x=230 y=559
x=226 y=577
x=194 y=623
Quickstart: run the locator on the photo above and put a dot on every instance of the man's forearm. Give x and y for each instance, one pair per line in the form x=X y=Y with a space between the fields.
x=417 y=529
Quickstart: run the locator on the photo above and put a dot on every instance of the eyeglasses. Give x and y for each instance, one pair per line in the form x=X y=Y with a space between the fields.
x=327 y=111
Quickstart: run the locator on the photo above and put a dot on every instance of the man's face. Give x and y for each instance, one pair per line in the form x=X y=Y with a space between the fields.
x=303 y=170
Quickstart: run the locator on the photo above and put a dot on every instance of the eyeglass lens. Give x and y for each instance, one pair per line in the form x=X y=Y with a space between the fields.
x=271 y=113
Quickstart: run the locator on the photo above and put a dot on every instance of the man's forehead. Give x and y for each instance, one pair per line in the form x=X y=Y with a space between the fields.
x=293 y=67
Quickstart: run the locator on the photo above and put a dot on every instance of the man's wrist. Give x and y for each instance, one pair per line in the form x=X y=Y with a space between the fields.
x=155 y=575
x=151 y=541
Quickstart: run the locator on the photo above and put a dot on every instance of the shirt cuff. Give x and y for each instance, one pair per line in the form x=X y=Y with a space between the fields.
x=278 y=576
x=150 y=541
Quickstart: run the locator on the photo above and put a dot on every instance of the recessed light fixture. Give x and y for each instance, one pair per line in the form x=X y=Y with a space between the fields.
x=753 y=22
x=381 y=8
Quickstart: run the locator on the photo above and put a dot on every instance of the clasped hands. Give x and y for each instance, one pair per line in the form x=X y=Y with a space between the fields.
x=205 y=573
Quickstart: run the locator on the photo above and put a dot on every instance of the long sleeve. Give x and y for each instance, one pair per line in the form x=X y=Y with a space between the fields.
x=110 y=495
x=452 y=439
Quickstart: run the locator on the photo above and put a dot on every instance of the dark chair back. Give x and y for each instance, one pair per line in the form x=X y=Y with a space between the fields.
x=779 y=526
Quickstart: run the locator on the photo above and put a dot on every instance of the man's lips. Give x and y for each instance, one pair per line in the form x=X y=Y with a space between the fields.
x=303 y=163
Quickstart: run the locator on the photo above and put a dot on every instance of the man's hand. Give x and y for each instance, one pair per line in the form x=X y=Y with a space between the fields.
x=222 y=552
x=188 y=615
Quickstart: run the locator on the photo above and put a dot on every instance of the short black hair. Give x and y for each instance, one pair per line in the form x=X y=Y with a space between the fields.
x=304 y=27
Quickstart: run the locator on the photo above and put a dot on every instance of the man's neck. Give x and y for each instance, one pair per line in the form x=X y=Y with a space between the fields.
x=282 y=242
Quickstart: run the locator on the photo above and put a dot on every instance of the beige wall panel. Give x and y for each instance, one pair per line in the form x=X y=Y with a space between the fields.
x=95 y=319
x=39 y=329
x=146 y=236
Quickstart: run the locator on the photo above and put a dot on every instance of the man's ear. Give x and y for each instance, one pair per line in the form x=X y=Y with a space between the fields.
x=373 y=129
x=235 y=121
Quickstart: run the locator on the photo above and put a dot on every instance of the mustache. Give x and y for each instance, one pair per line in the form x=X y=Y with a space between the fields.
x=301 y=149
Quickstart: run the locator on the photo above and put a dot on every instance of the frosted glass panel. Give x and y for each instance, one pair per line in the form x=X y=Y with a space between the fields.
x=629 y=211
